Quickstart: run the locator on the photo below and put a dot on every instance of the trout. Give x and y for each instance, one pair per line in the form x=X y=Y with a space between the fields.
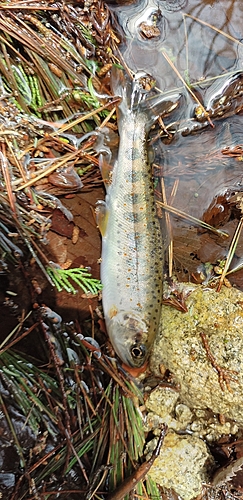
x=132 y=247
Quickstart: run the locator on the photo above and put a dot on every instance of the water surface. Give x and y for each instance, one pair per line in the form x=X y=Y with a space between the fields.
x=199 y=43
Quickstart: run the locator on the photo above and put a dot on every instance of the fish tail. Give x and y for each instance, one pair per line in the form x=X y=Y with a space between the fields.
x=138 y=94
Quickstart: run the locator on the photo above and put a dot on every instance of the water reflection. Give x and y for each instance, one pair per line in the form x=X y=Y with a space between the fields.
x=190 y=33
x=198 y=44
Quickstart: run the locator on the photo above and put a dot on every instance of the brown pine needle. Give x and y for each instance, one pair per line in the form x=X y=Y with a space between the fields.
x=130 y=482
x=187 y=87
x=68 y=156
x=184 y=215
x=30 y=39
x=169 y=229
x=49 y=170
x=23 y=6
x=226 y=35
x=22 y=336
x=108 y=117
x=231 y=252
x=16 y=161
x=6 y=176
x=82 y=118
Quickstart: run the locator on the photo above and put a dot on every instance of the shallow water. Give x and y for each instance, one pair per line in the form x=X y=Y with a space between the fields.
x=196 y=50
x=199 y=42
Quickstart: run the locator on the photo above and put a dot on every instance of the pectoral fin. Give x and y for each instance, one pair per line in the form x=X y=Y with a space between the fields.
x=106 y=170
x=102 y=214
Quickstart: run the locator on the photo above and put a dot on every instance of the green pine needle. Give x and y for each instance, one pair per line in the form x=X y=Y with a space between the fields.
x=81 y=276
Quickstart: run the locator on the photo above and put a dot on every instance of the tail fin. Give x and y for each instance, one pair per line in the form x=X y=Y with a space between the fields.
x=139 y=94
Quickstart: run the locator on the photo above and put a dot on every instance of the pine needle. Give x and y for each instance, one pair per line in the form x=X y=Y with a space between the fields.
x=183 y=215
x=231 y=252
x=188 y=88
x=226 y=35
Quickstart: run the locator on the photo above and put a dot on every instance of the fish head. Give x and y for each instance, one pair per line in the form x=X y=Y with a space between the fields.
x=129 y=336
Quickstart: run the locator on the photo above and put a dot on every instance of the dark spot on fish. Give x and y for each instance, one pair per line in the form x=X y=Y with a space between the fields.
x=135 y=217
x=135 y=197
x=132 y=154
x=134 y=176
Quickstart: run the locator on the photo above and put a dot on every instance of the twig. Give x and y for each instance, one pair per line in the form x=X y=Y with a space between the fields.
x=131 y=482
x=224 y=374
x=94 y=487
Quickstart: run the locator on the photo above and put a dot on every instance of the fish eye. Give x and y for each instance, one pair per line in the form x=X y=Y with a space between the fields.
x=138 y=351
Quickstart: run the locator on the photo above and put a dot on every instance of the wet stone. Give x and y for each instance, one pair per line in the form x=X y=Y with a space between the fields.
x=202 y=410
x=7 y=483
x=172 y=469
x=162 y=401
x=180 y=348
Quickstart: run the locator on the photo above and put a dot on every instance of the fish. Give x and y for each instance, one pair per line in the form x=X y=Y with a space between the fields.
x=132 y=246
